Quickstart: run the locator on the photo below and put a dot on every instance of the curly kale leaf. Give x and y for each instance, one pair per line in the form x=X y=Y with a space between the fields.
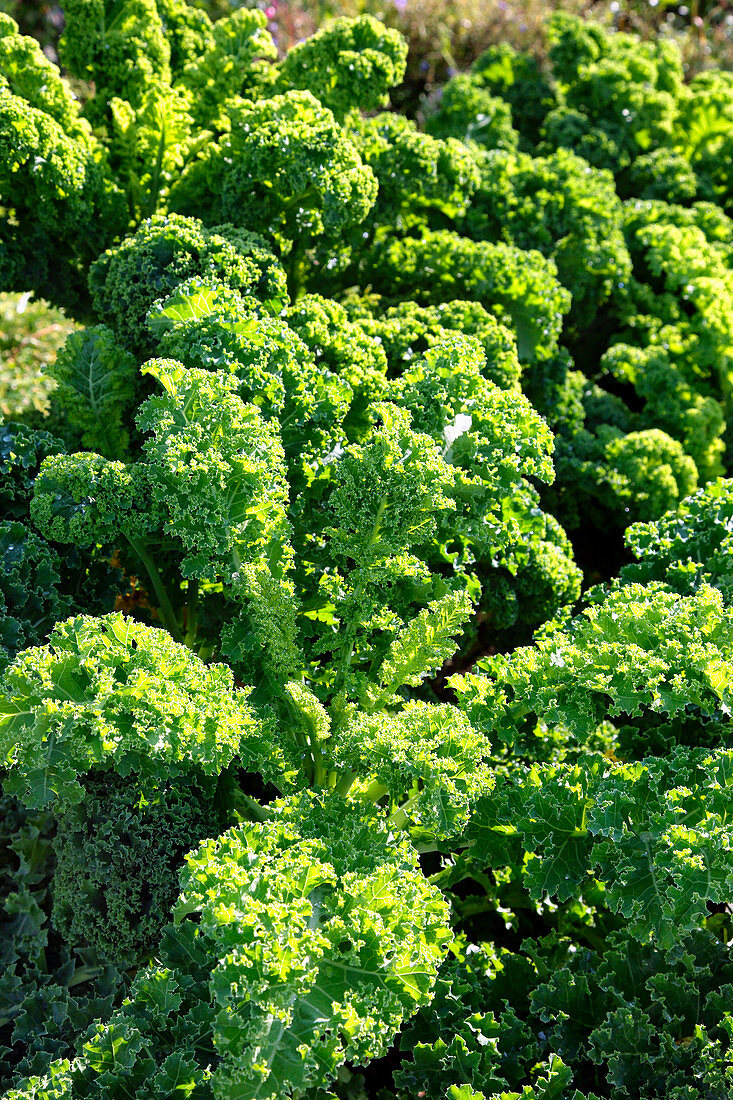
x=671 y=402
x=85 y=499
x=195 y=299
x=56 y=200
x=425 y=754
x=518 y=79
x=389 y=493
x=150 y=145
x=649 y=472
x=230 y=507
x=522 y=288
x=567 y=210
x=158 y=1042
x=96 y=388
x=327 y=936
x=22 y=450
x=416 y=173
x=494 y=440
x=275 y=369
x=233 y=63
x=622 y=91
x=219 y=473
x=343 y=348
x=469 y=112
x=350 y=64
x=167 y=250
x=357 y=574
x=111 y=693
x=118 y=852
x=120 y=45
x=687 y=547
x=491 y=433
x=636 y=653
x=284 y=164
x=314 y=931
x=464 y=1036
x=631 y=1020
x=30 y=597
x=407 y=330
x=655 y=834
x=420 y=648
x=28 y=73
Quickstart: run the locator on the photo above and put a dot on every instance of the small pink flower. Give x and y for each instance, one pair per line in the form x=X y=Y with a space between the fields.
x=271 y=11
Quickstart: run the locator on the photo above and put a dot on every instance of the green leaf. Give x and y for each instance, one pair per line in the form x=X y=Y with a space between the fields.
x=422 y=646
x=111 y=692
x=328 y=937
x=96 y=380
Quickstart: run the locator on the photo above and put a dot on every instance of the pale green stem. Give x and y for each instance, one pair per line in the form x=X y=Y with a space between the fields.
x=374 y=791
x=346 y=782
x=401 y=816
x=257 y=812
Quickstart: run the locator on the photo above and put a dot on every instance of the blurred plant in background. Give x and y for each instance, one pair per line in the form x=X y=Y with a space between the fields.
x=30 y=335
x=447 y=35
x=42 y=20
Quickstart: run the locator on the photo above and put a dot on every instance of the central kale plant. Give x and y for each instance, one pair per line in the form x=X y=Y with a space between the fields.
x=366 y=625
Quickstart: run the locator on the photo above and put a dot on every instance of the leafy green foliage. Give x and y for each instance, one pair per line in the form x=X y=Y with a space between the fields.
x=639 y=649
x=48 y=994
x=629 y=826
x=321 y=184
x=406 y=330
x=431 y=748
x=232 y=63
x=95 y=388
x=121 y=47
x=165 y=252
x=687 y=547
x=130 y=1047
x=55 y=193
x=22 y=450
x=517 y=79
x=470 y=112
x=457 y=810
x=300 y=384
x=117 y=855
x=565 y=209
x=110 y=692
x=232 y=502
x=622 y=91
x=344 y=349
x=86 y=499
x=628 y=1021
x=361 y=928
x=671 y=402
x=351 y=63
x=30 y=600
x=416 y=173
x=521 y=287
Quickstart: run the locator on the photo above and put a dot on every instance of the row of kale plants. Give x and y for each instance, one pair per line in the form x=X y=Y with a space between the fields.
x=366 y=641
